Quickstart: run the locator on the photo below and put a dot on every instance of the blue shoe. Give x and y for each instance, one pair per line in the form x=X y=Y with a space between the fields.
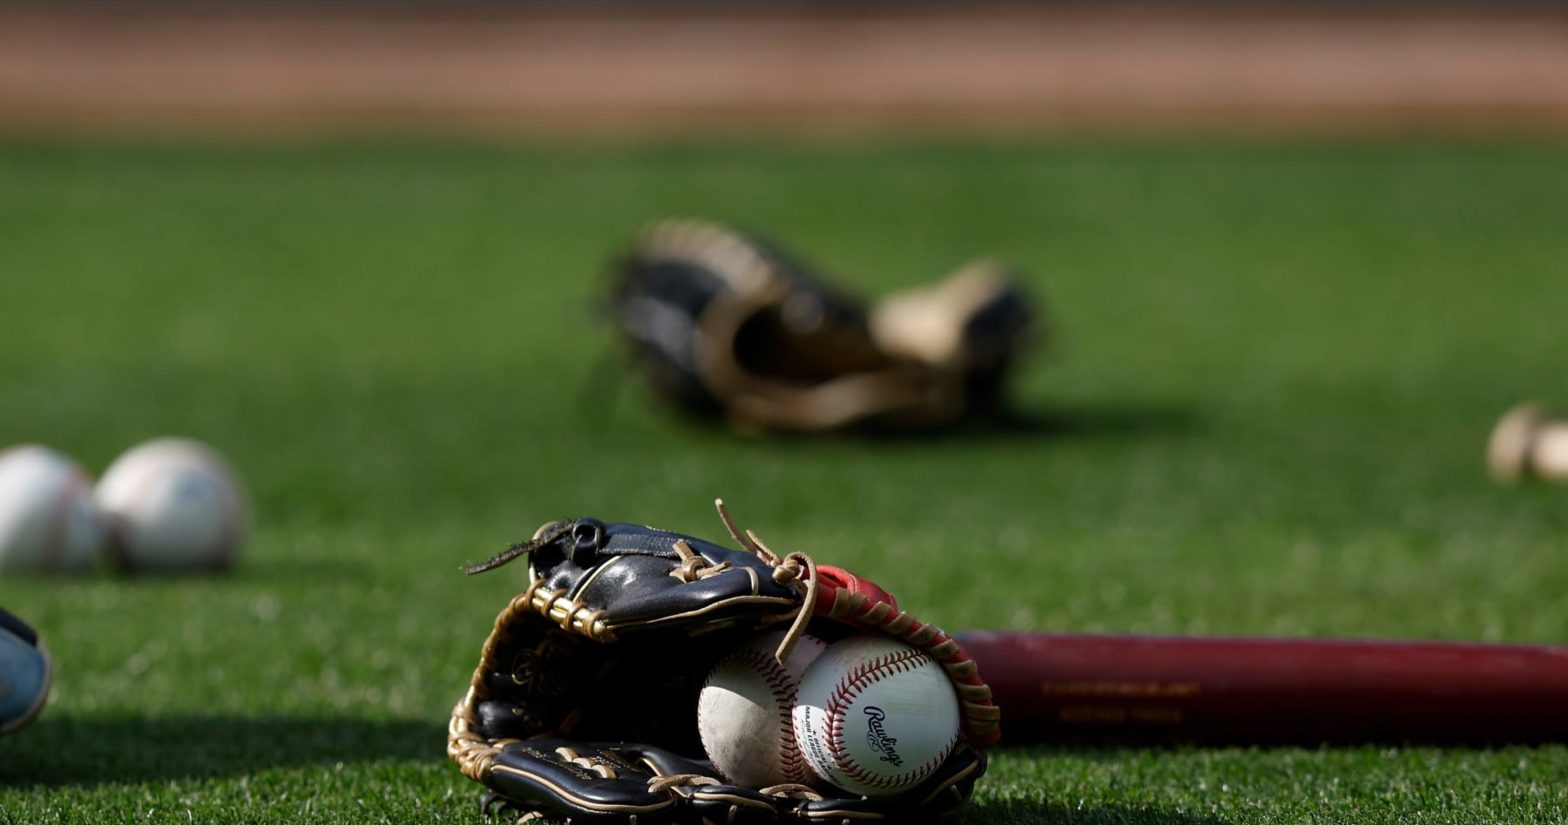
x=25 y=673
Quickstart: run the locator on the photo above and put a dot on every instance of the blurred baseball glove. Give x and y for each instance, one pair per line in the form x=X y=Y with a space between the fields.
x=725 y=324
x=583 y=706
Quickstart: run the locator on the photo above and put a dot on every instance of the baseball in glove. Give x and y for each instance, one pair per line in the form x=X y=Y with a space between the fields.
x=724 y=324
x=583 y=705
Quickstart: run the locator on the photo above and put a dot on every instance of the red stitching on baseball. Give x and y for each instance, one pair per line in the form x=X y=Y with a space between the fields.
x=848 y=687
x=784 y=693
x=716 y=769
x=980 y=729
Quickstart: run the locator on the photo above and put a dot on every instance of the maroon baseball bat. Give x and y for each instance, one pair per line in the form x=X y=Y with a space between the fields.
x=1078 y=688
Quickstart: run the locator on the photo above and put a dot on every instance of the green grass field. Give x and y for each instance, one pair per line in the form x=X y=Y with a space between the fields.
x=1271 y=374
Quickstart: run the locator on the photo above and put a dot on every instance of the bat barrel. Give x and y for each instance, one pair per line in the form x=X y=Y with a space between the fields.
x=1075 y=688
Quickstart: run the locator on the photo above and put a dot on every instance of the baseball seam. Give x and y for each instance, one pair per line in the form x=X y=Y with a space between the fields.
x=778 y=679
x=844 y=692
x=784 y=689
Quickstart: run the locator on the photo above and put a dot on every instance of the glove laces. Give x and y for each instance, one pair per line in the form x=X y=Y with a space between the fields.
x=793 y=567
x=797 y=568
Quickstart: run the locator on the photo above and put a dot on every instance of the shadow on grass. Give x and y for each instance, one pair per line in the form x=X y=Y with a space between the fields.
x=994 y=811
x=1062 y=422
x=1083 y=422
x=66 y=751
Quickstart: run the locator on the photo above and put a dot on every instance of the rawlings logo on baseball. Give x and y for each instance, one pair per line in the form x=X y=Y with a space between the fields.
x=877 y=738
x=853 y=697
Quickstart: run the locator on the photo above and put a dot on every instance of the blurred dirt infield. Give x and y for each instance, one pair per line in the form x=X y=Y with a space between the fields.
x=790 y=71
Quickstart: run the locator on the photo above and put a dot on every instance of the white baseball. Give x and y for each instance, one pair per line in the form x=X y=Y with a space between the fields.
x=48 y=520
x=743 y=713
x=875 y=716
x=175 y=505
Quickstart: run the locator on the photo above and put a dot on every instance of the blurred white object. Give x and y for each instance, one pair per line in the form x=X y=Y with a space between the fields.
x=1529 y=443
x=49 y=522
x=174 y=505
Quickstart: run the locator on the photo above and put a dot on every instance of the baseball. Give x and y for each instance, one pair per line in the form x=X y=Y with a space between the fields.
x=1529 y=443
x=743 y=713
x=174 y=505
x=48 y=520
x=875 y=716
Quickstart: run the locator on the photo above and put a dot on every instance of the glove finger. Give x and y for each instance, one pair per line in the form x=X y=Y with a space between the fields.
x=664 y=762
x=584 y=782
x=640 y=594
x=710 y=802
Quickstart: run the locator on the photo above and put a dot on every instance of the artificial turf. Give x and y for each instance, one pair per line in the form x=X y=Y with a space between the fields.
x=1261 y=407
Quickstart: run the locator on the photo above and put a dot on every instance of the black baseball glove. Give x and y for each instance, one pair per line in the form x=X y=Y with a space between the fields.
x=725 y=324
x=583 y=706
